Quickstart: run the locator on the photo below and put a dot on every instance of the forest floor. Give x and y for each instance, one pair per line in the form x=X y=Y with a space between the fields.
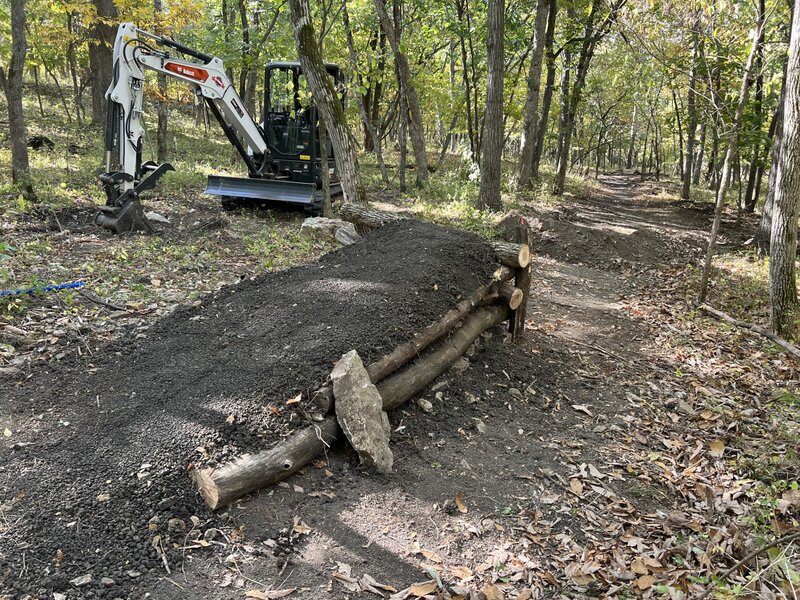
x=629 y=447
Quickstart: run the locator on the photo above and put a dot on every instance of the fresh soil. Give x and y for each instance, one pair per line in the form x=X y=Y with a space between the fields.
x=520 y=475
x=100 y=466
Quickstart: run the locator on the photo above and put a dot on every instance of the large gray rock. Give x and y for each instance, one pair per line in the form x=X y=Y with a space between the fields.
x=359 y=410
x=322 y=228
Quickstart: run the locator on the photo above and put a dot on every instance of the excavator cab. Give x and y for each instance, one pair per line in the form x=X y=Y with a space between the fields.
x=291 y=167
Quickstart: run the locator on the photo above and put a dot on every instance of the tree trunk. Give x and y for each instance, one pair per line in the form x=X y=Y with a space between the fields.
x=632 y=143
x=12 y=84
x=691 y=108
x=698 y=161
x=522 y=176
x=101 y=56
x=491 y=175
x=327 y=102
x=417 y=132
x=730 y=153
x=162 y=148
x=547 y=96
x=592 y=36
x=783 y=240
x=751 y=195
x=762 y=237
x=371 y=134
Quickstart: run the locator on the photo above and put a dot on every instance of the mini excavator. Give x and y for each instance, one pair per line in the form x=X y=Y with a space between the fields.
x=282 y=154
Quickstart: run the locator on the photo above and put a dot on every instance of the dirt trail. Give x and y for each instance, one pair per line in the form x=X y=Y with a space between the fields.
x=482 y=483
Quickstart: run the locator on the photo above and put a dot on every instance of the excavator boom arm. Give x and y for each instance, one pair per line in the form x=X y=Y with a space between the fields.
x=135 y=51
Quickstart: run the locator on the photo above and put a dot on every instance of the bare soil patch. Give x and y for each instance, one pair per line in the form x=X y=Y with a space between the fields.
x=587 y=461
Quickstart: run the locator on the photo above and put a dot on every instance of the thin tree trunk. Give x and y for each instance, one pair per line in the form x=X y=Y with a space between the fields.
x=373 y=135
x=162 y=147
x=417 y=132
x=522 y=176
x=327 y=102
x=730 y=153
x=632 y=145
x=547 y=96
x=592 y=37
x=751 y=196
x=680 y=130
x=12 y=85
x=489 y=194
x=698 y=161
x=691 y=108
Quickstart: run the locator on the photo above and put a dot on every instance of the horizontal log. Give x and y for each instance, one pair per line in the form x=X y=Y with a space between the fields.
x=516 y=256
x=367 y=217
x=383 y=367
x=400 y=387
x=503 y=273
x=222 y=485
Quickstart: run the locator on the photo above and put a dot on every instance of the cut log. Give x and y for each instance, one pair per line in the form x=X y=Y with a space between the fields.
x=511 y=294
x=367 y=217
x=503 y=273
x=399 y=388
x=516 y=256
x=380 y=369
x=225 y=484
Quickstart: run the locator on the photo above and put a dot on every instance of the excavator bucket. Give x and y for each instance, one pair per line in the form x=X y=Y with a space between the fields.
x=268 y=190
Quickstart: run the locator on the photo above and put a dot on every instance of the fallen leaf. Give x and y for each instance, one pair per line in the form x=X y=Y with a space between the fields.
x=296 y=399
x=423 y=589
x=300 y=527
x=548 y=497
x=639 y=567
x=645 y=581
x=270 y=595
x=576 y=486
x=230 y=419
x=492 y=592
x=583 y=408
x=462 y=508
x=717 y=448
x=461 y=572
x=709 y=415
x=7 y=432
x=370 y=581
x=432 y=556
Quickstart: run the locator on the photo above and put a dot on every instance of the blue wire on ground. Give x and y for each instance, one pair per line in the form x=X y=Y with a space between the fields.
x=47 y=288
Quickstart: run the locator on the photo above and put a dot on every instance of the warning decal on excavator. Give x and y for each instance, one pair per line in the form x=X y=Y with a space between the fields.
x=305 y=157
x=187 y=71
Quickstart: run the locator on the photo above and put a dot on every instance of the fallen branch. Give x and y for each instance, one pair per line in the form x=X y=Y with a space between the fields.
x=789 y=537
x=251 y=472
x=788 y=346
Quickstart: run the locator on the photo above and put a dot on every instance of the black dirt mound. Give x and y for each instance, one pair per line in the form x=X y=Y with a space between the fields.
x=108 y=493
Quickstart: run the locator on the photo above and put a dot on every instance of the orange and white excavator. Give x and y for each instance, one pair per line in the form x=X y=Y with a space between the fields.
x=282 y=153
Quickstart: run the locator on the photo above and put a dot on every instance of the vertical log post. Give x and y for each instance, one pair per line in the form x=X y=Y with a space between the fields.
x=522 y=280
